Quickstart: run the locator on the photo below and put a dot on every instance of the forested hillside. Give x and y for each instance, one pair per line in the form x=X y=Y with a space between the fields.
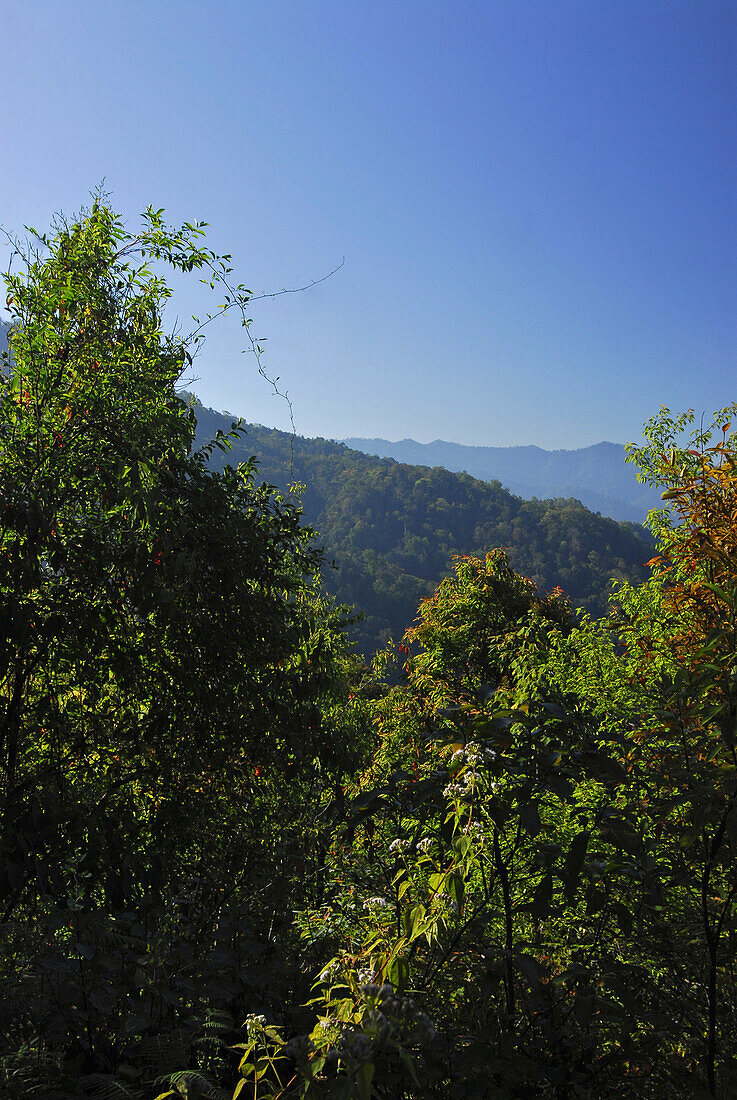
x=596 y=475
x=393 y=529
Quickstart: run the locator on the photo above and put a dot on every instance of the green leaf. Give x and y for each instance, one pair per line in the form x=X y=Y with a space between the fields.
x=397 y=972
x=436 y=882
x=462 y=845
x=415 y=922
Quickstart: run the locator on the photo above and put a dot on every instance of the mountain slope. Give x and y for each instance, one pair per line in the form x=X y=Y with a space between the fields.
x=597 y=475
x=391 y=529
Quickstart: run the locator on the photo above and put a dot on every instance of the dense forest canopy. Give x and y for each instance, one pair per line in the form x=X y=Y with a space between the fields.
x=238 y=861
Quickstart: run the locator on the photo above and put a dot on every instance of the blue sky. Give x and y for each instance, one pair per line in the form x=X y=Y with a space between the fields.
x=536 y=201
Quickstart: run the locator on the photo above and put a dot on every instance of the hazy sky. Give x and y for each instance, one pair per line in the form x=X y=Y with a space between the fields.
x=536 y=201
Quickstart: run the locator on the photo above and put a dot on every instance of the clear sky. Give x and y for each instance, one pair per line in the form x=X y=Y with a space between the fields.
x=536 y=201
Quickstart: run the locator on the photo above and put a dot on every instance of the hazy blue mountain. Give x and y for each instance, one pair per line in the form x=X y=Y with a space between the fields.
x=597 y=475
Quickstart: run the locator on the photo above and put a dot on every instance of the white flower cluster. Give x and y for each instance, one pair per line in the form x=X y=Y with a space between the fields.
x=475 y=830
x=376 y=903
x=474 y=754
x=331 y=1029
x=365 y=976
x=462 y=790
x=329 y=973
x=400 y=845
x=425 y=844
x=254 y=1024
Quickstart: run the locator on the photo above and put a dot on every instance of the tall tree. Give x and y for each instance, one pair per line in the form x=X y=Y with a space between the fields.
x=163 y=649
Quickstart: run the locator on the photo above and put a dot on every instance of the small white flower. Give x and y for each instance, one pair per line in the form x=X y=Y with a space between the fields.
x=254 y=1024
x=460 y=791
x=376 y=903
x=399 y=846
x=330 y=1029
x=425 y=844
x=329 y=973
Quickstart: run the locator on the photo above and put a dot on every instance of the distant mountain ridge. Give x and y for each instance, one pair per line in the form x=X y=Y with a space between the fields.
x=392 y=528
x=596 y=475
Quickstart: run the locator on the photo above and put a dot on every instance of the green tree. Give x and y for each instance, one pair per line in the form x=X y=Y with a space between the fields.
x=167 y=667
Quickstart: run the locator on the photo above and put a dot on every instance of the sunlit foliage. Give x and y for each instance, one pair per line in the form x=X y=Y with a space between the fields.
x=235 y=861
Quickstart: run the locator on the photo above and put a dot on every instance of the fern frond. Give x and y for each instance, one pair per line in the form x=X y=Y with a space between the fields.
x=102 y=1086
x=182 y=1078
